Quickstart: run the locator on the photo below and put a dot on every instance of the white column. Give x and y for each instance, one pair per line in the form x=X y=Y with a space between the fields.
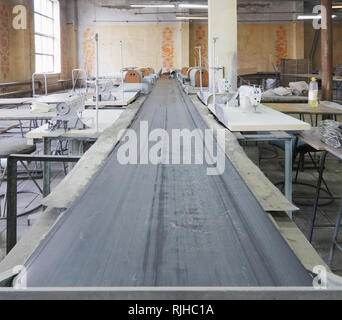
x=223 y=24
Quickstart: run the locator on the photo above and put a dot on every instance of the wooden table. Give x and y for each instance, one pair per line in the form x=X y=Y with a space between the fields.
x=309 y=76
x=303 y=109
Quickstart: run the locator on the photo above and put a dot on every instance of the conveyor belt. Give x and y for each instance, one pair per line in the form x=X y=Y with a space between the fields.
x=165 y=225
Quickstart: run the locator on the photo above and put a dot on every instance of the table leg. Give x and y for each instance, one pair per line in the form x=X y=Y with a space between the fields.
x=47 y=168
x=335 y=238
x=76 y=149
x=319 y=184
x=288 y=171
x=11 y=222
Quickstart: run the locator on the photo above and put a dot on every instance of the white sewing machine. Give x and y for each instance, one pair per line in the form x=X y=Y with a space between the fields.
x=250 y=97
x=68 y=114
x=224 y=86
x=105 y=91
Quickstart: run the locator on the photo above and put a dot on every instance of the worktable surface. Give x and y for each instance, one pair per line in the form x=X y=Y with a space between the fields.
x=25 y=114
x=302 y=108
x=313 y=139
x=15 y=101
x=264 y=119
x=106 y=118
x=308 y=76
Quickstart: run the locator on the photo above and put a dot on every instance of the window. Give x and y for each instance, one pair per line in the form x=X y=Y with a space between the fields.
x=47 y=36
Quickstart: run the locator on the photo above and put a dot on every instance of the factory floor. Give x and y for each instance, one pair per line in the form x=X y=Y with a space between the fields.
x=29 y=199
x=272 y=164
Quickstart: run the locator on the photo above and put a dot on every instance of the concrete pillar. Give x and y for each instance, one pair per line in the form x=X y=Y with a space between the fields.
x=223 y=24
x=185 y=47
x=327 y=53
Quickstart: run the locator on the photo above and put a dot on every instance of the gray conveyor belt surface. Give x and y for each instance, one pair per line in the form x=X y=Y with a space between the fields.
x=165 y=225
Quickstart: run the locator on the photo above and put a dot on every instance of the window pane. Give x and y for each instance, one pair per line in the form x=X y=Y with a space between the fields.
x=47 y=36
x=44 y=8
x=48 y=27
x=37 y=5
x=39 y=63
x=38 y=44
x=49 y=8
x=38 y=23
x=47 y=45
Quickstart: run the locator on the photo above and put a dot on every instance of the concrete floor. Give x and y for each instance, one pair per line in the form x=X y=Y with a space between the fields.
x=272 y=165
x=26 y=201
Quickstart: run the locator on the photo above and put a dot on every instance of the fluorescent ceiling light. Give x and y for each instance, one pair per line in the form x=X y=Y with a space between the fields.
x=337 y=6
x=192 y=18
x=152 y=5
x=313 y=17
x=193 y=6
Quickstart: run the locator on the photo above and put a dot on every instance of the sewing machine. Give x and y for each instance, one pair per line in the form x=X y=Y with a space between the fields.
x=224 y=86
x=68 y=114
x=250 y=97
x=105 y=91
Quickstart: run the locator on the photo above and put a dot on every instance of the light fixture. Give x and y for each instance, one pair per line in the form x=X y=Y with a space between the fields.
x=337 y=6
x=193 y=6
x=312 y=17
x=191 y=18
x=152 y=5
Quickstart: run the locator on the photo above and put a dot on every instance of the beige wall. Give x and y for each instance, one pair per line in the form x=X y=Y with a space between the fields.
x=337 y=43
x=17 y=46
x=153 y=45
x=259 y=45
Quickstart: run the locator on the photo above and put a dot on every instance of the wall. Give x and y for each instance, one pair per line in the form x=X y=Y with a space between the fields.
x=337 y=44
x=17 y=46
x=150 y=39
x=260 y=46
x=153 y=45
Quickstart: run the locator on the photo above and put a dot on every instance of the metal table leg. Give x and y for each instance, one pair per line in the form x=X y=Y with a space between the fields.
x=288 y=172
x=11 y=204
x=335 y=238
x=319 y=184
x=47 y=168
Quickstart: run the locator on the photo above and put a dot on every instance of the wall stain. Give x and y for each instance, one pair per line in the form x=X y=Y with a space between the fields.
x=88 y=51
x=168 y=49
x=4 y=41
x=281 y=45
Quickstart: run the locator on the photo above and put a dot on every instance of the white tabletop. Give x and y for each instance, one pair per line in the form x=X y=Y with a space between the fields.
x=106 y=119
x=264 y=119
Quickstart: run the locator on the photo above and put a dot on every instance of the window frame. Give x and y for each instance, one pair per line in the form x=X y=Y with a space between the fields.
x=55 y=38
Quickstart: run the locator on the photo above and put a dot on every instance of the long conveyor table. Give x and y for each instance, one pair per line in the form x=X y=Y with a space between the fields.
x=165 y=225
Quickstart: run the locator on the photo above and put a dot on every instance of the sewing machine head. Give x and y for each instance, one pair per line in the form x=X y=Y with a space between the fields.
x=250 y=97
x=68 y=114
x=224 y=86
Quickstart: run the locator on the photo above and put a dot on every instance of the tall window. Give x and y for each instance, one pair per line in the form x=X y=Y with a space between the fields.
x=47 y=36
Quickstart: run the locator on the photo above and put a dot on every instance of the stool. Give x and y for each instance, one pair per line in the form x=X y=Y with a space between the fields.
x=335 y=244
x=14 y=146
